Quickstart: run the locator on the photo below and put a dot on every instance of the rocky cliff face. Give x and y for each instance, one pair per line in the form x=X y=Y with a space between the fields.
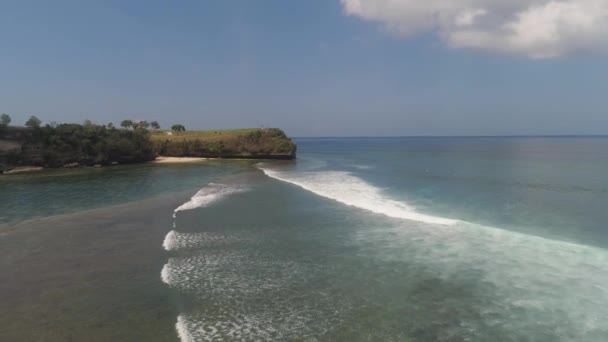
x=12 y=140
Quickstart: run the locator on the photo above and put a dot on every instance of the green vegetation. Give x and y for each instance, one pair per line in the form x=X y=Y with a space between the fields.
x=203 y=135
x=73 y=145
x=141 y=125
x=5 y=120
x=33 y=122
x=236 y=143
x=178 y=128
x=126 y=124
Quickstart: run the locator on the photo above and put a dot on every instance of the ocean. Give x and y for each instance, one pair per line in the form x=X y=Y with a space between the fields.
x=359 y=239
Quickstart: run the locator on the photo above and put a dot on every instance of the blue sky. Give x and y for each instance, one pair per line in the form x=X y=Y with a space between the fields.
x=313 y=68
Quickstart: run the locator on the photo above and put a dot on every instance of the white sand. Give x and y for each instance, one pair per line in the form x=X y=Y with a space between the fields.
x=173 y=160
x=23 y=169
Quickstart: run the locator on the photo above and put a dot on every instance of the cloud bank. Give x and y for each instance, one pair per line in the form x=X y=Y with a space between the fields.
x=529 y=28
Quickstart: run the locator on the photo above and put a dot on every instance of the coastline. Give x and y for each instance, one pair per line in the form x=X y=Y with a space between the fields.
x=23 y=169
x=22 y=149
x=158 y=160
x=177 y=160
x=161 y=160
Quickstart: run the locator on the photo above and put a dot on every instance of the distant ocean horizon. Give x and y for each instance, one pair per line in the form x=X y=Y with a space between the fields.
x=455 y=136
x=360 y=239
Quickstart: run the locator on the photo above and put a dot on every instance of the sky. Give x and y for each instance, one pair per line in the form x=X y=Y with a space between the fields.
x=312 y=68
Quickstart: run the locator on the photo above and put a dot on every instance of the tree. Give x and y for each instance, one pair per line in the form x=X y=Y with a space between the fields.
x=33 y=122
x=178 y=128
x=5 y=119
x=155 y=125
x=110 y=125
x=143 y=124
x=126 y=123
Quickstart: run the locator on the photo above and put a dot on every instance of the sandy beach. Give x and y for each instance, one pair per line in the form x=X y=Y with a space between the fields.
x=176 y=160
x=23 y=169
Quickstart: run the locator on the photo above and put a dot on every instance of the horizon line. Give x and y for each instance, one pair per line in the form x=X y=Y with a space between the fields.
x=457 y=136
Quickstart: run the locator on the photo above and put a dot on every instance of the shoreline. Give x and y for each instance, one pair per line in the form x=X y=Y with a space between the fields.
x=177 y=160
x=159 y=160
x=22 y=169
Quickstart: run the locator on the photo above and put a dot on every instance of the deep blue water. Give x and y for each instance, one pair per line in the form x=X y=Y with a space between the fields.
x=550 y=186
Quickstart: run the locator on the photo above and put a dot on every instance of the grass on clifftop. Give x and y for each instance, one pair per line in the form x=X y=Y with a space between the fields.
x=209 y=135
x=248 y=142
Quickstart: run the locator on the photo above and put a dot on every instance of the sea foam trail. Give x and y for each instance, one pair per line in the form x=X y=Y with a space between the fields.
x=350 y=190
x=530 y=284
x=230 y=274
x=211 y=193
x=175 y=240
x=287 y=324
x=182 y=330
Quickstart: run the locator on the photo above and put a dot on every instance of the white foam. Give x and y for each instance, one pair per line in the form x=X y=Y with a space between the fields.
x=182 y=330
x=169 y=241
x=350 y=190
x=229 y=273
x=165 y=274
x=175 y=240
x=561 y=285
x=211 y=193
x=280 y=321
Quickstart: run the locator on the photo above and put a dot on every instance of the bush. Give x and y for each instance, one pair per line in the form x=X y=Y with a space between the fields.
x=89 y=144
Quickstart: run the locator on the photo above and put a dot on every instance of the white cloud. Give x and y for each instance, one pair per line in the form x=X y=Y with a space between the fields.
x=531 y=28
x=468 y=17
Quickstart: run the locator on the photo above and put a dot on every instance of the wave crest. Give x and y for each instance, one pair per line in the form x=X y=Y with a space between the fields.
x=175 y=240
x=211 y=193
x=350 y=190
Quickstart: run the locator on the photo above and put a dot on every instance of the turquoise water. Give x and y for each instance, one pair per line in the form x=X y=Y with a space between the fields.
x=54 y=192
x=384 y=239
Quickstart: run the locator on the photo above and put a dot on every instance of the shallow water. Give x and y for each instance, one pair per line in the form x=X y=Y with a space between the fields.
x=52 y=192
x=426 y=239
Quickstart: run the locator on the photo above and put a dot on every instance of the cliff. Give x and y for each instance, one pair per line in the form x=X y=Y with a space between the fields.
x=71 y=145
x=12 y=140
x=262 y=143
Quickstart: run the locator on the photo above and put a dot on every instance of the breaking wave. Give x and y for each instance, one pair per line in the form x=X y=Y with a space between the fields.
x=175 y=240
x=528 y=284
x=228 y=272
x=289 y=324
x=230 y=284
x=350 y=190
x=211 y=193
x=464 y=280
